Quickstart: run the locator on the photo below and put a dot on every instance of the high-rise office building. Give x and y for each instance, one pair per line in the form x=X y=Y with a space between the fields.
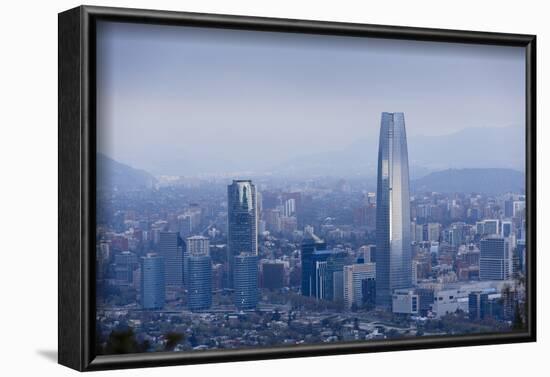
x=332 y=278
x=480 y=227
x=125 y=264
x=456 y=234
x=289 y=207
x=321 y=278
x=185 y=224
x=506 y=228
x=198 y=270
x=368 y=253
x=199 y=289
x=393 y=219
x=242 y=221
x=196 y=246
x=245 y=280
x=495 y=262
x=417 y=234
x=518 y=208
x=368 y=290
x=152 y=282
x=190 y=221
x=353 y=282
x=310 y=246
x=434 y=230
x=320 y=267
x=509 y=208
x=338 y=285
x=172 y=249
x=483 y=305
x=491 y=227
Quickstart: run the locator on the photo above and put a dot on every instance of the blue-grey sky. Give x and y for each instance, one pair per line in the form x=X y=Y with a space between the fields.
x=181 y=100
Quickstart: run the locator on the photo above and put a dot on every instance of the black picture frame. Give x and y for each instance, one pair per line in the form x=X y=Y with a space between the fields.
x=77 y=168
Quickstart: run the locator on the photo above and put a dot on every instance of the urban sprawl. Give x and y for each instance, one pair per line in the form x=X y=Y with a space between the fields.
x=205 y=263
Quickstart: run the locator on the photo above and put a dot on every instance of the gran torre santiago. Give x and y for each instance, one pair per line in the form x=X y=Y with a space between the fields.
x=393 y=212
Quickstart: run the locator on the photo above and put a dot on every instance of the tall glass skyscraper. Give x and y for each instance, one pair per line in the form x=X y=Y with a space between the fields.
x=242 y=221
x=199 y=272
x=393 y=212
x=199 y=295
x=245 y=278
x=194 y=245
x=172 y=248
x=321 y=269
x=495 y=262
x=152 y=282
x=311 y=245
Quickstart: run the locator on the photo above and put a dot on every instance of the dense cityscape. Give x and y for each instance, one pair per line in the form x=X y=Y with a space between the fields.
x=224 y=262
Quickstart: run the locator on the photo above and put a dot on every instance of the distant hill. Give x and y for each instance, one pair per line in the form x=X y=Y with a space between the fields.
x=112 y=174
x=458 y=150
x=491 y=181
x=483 y=147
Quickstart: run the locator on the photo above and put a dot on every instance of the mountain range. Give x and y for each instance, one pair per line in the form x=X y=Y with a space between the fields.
x=491 y=181
x=483 y=147
x=113 y=174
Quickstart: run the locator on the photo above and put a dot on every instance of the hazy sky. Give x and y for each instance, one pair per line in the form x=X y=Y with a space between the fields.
x=169 y=96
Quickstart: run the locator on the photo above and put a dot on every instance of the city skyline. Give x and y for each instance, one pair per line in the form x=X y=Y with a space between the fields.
x=248 y=267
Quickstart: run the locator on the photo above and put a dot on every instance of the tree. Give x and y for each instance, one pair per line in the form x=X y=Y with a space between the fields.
x=393 y=333
x=172 y=340
x=124 y=341
x=193 y=340
x=517 y=323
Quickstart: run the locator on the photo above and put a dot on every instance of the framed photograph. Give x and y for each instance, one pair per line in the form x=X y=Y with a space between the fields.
x=242 y=188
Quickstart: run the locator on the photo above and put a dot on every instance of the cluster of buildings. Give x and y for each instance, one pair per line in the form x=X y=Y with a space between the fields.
x=185 y=263
x=416 y=255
